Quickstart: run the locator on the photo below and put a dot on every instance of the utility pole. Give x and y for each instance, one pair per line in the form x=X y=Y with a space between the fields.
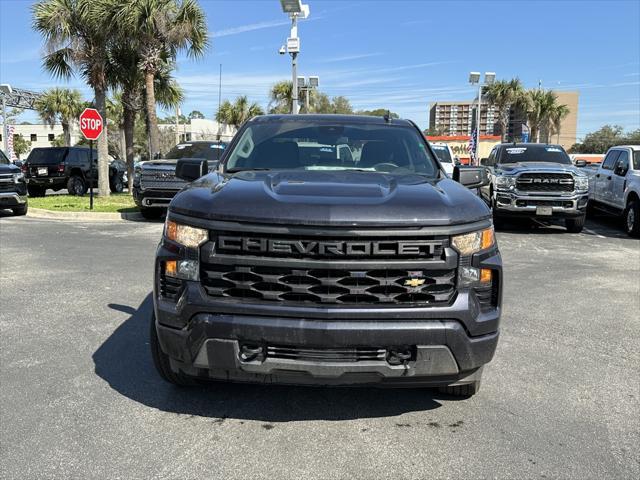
x=295 y=9
x=177 y=125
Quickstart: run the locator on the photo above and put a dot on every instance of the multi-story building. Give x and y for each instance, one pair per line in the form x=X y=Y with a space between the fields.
x=458 y=118
x=38 y=135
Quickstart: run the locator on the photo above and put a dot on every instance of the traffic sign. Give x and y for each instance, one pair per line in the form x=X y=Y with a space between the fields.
x=91 y=124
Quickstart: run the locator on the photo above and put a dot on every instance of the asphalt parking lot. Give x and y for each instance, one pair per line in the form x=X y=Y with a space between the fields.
x=79 y=396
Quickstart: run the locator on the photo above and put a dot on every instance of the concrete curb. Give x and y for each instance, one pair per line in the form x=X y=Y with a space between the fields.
x=85 y=216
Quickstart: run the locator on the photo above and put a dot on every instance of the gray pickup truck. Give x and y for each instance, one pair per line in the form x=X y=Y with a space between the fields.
x=616 y=186
x=537 y=181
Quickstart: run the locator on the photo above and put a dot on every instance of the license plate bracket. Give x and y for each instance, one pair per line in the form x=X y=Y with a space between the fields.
x=544 y=211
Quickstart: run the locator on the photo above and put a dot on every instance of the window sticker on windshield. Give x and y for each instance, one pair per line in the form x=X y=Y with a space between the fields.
x=438 y=147
x=553 y=149
x=183 y=145
x=326 y=149
x=219 y=147
x=516 y=151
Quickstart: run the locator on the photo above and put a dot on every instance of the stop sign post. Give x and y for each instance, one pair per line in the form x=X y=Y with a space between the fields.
x=91 y=126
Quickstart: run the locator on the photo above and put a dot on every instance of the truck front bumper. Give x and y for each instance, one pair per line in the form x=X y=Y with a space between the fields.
x=152 y=198
x=508 y=203
x=12 y=199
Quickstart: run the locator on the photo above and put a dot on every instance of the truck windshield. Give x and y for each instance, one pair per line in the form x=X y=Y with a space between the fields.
x=46 y=156
x=322 y=145
x=535 y=153
x=207 y=151
x=442 y=153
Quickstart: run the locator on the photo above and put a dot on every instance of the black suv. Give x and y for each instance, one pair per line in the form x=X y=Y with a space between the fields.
x=66 y=167
x=374 y=268
x=13 y=188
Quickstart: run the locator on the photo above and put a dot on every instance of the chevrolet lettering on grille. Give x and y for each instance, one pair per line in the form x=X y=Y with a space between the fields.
x=257 y=245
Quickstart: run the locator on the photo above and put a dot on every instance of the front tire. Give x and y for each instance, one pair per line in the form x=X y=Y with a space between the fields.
x=161 y=360
x=575 y=225
x=76 y=186
x=21 y=210
x=632 y=219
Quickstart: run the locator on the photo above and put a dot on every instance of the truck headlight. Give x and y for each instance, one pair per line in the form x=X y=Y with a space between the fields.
x=582 y=184
x=505 y=183
x=184 y=234
x=18 y=177
x=474 y=242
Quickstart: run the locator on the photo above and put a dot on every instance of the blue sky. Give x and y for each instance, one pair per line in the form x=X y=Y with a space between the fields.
x=395 y=54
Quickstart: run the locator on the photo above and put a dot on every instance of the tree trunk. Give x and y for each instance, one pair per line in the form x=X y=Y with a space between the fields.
x=154 y=140
x=129 y=125
x=66 y=133
x=103 y=146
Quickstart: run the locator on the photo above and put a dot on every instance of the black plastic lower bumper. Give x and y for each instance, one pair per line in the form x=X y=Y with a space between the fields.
x=153 y=198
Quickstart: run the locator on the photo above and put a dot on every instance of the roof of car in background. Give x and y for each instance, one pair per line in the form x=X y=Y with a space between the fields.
x=330 y=118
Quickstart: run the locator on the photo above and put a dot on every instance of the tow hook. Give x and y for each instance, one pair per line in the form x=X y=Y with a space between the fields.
x=249 y=353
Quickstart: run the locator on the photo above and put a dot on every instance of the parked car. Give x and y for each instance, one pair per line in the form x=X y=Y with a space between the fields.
x=66 y=167
x=155 y=182
x=616 y=186
x=537 y=181
x=446 y=156
x=275 y=269
x=13 y=188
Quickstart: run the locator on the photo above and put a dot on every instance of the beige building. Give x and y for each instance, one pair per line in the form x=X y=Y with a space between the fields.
x=38 y=135
x=457 y=118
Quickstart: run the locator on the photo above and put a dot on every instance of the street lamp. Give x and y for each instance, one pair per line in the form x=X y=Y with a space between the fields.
x=295 y=9
x=474 y=78
x=5 y=89
x=307 y=86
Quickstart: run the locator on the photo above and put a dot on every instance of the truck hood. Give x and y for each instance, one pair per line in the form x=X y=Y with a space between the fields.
x=8 y=168
x=516 y=168
x=330 y=199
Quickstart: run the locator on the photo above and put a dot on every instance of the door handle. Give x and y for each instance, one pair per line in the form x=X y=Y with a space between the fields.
x=609 y=177
x=598 y=175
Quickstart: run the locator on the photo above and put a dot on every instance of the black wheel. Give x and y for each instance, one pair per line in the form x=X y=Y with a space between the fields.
x=151 y=213
x=116 y=185
x=161 y=360
x=468 y=390
x=76 y=186
x=632 y=218
x=21 y=210
x=36 y=191
x=575 y=225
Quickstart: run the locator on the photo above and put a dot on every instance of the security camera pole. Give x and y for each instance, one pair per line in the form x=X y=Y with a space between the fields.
x=295 y=9
x=474 y=78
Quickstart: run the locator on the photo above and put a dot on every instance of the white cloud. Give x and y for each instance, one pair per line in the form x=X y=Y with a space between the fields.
x=249 y=28
x=346 y=58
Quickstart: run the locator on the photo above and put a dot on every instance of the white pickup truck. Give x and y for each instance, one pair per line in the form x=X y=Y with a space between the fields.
x=615 y=187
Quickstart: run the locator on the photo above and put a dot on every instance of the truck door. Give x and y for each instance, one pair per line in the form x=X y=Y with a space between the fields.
x=619 y=180
x=604 y=176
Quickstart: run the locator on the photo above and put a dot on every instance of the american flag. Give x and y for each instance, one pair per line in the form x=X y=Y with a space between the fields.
x=472 y=148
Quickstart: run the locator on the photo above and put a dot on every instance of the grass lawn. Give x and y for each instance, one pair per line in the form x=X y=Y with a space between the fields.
x=119 y=202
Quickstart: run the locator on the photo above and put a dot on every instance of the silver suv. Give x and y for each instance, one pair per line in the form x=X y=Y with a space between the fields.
x=616 y=186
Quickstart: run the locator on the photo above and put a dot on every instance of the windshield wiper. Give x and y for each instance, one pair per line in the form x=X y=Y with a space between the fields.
x=236 y=170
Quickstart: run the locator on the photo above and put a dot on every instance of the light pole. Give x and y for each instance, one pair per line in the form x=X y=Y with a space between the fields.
x=474 y=78
x=295 y=9
x=5 y=89
x=307 y=87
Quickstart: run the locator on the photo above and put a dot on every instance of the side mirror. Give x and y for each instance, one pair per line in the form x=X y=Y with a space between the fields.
x=621 y=171
x=456 y=160
x=213 y=165
x=581 y=163
x=471 y=177
x=484 y=161
x=190 y=169
x=18 y=163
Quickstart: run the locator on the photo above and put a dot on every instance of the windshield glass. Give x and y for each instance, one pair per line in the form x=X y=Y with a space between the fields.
x=442 y=153
x=3 y=159
x=306 y=145
x=46 y=156
x=207 y=151
x=535 y=153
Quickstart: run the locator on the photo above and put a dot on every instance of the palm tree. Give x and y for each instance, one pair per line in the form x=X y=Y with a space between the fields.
x=543 y=111
x=557 y=115
x=280 y=97
x=503 y=94
x=238 y=112
x=60 y=105
x=160 y=29
x=77 y=39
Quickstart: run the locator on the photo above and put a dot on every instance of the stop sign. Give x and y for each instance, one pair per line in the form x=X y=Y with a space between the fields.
x=91 y=124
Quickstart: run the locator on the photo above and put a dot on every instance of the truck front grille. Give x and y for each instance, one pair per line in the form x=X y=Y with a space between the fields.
x=326 y=286
x=162 y=180
x=545 y=182
x=356 y=354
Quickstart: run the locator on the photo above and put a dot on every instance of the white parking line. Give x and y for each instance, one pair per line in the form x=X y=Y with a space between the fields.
x=593 y=233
